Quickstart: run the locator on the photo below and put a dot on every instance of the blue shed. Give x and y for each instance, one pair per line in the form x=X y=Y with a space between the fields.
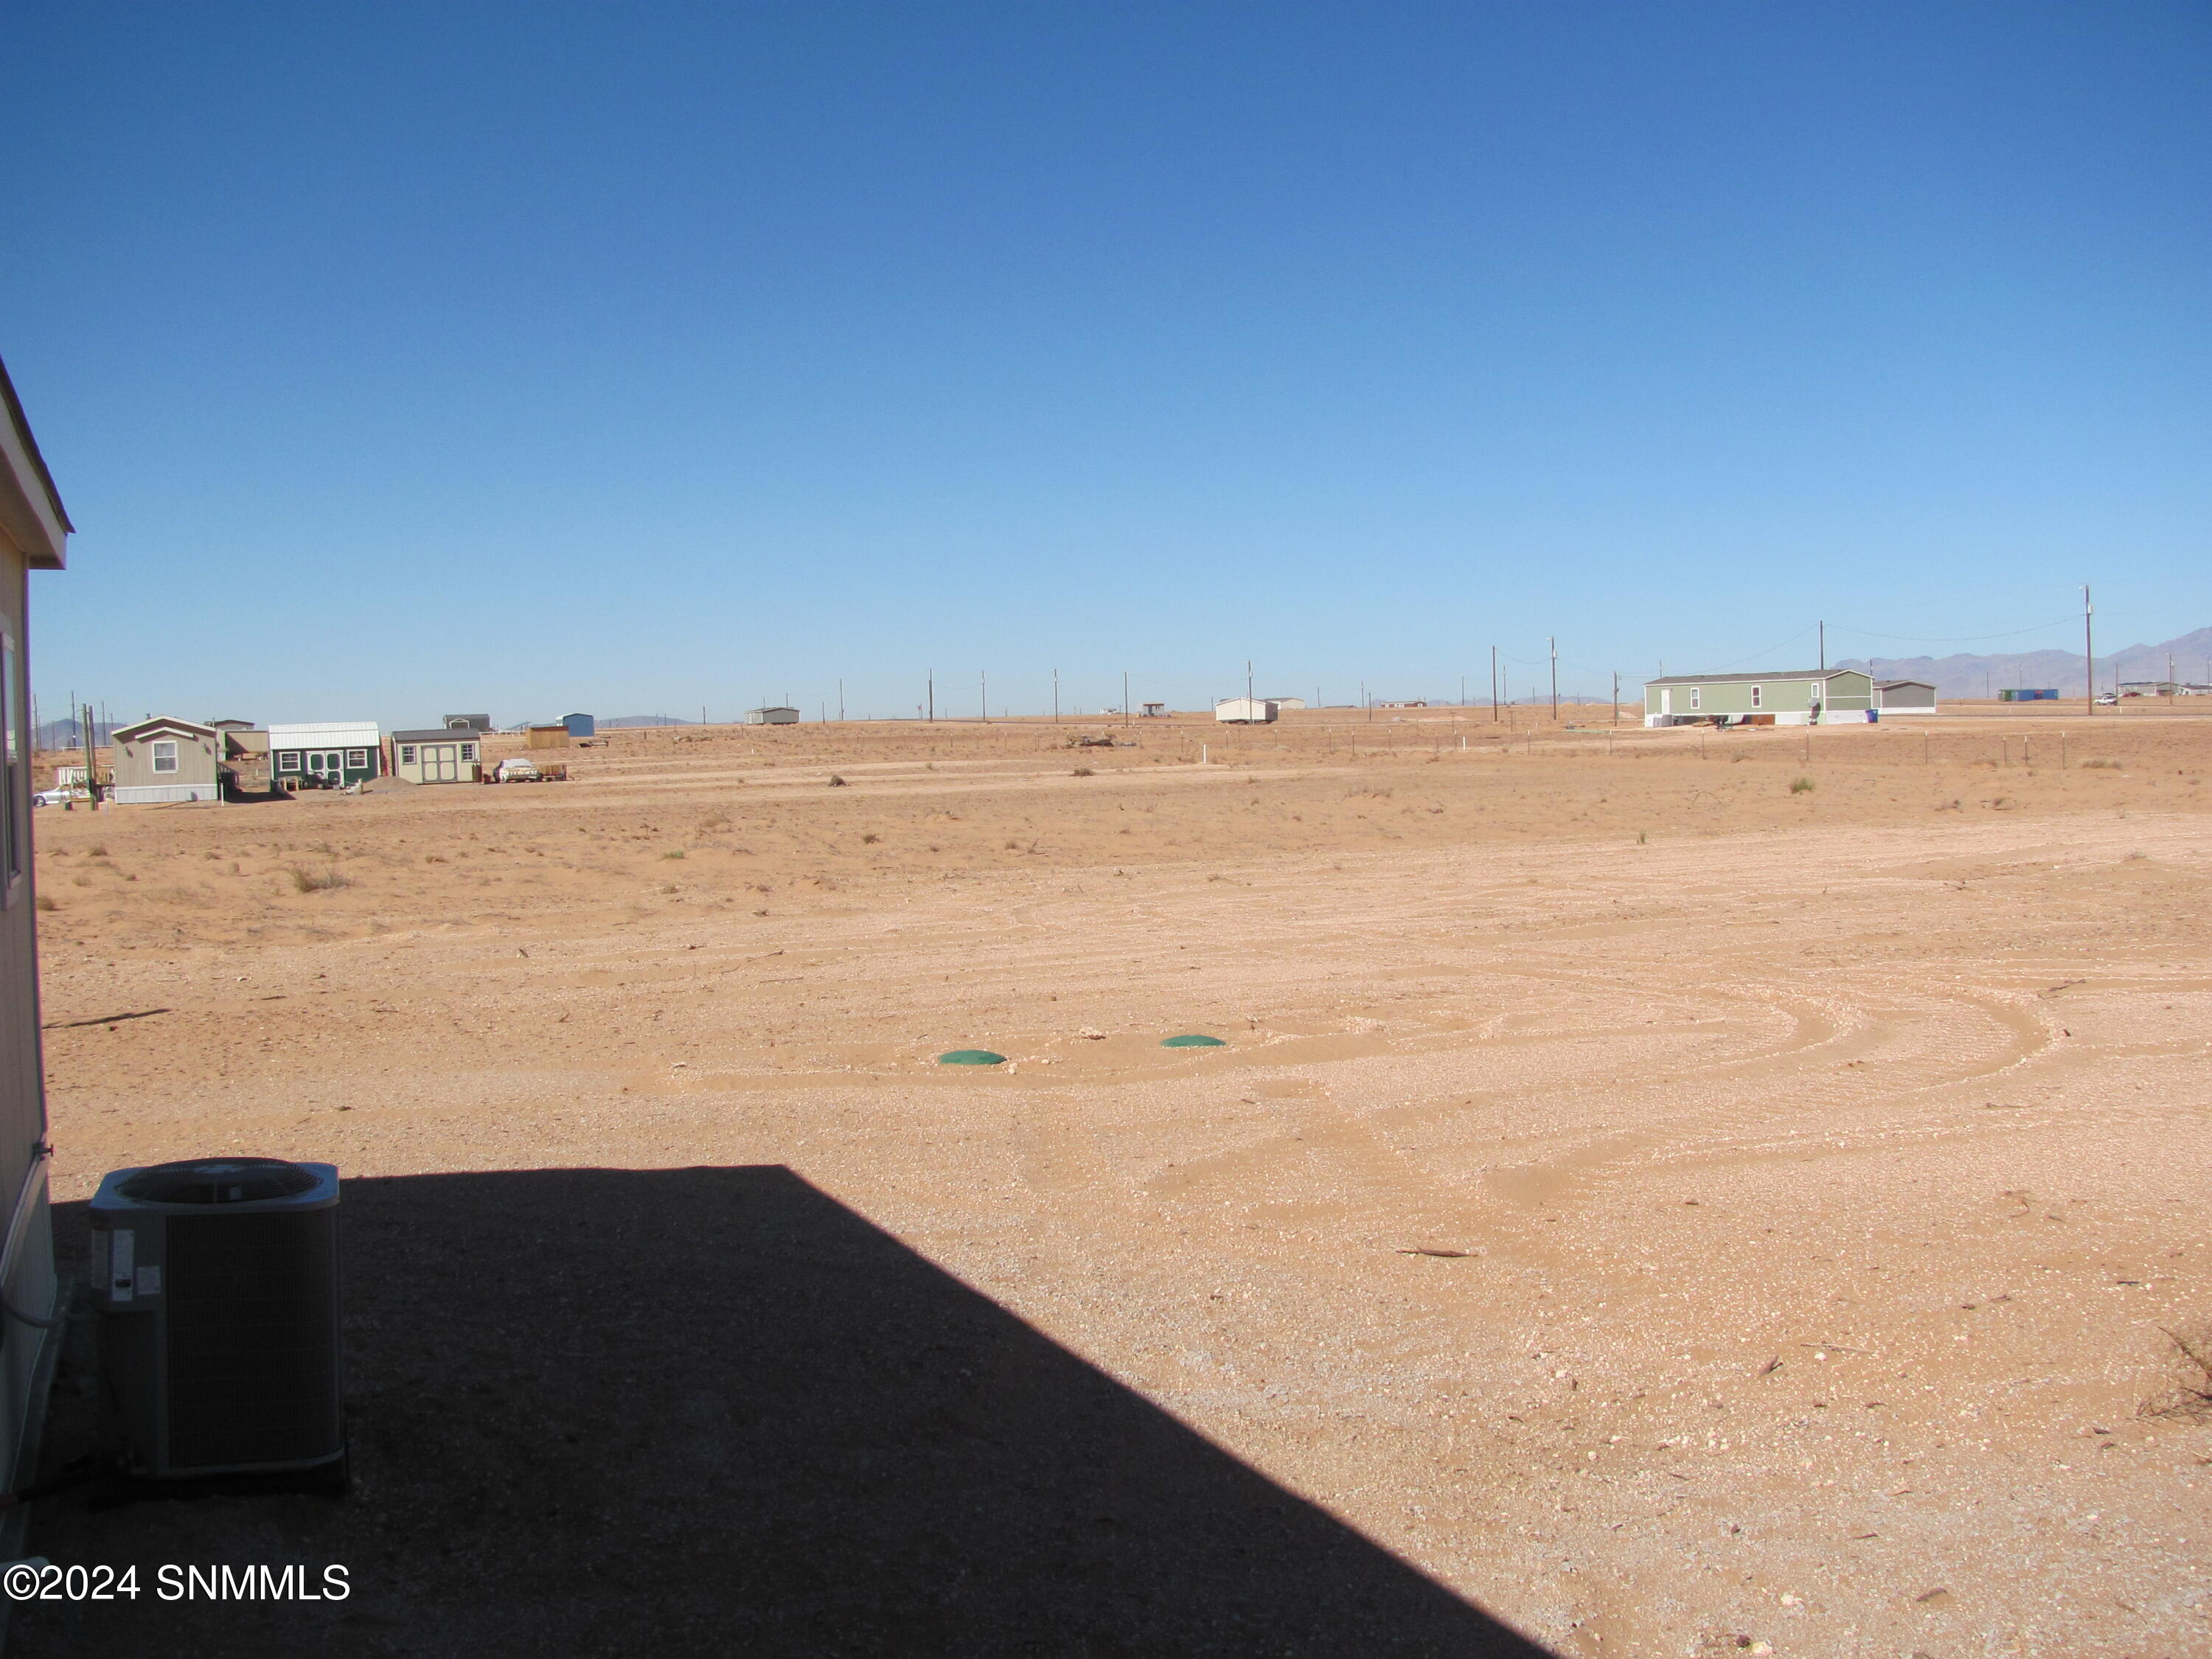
x=581 y=726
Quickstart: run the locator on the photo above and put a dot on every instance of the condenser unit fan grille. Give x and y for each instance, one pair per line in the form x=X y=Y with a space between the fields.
x=252 y=1360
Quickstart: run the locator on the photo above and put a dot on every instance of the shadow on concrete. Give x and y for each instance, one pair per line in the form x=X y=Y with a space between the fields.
x=712 y=1411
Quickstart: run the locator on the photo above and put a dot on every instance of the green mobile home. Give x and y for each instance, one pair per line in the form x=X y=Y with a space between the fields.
x=1825 y=696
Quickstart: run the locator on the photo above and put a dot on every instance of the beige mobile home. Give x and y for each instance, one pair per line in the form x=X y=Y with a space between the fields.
x=34 y=535
x=1246 y=711
x=163 y=759
x=437 y=756
x=1905 y=697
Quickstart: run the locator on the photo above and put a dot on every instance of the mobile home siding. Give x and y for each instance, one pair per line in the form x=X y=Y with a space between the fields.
x=33 y=533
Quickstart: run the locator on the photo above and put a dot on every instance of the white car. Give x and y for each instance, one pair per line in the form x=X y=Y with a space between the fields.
x=61 y=797
x=516 y=770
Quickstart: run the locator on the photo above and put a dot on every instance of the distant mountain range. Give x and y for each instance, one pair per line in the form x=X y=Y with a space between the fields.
x=646 y=720
x=2060 y=670
x=69 y=734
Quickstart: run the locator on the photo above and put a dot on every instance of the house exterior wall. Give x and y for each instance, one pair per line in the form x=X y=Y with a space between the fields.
x=357 y=762
x=137 y=781
x=32 y=533
x=449 y=757
x=1906 y=699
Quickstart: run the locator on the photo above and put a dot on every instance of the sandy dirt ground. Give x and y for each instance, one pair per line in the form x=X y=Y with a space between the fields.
x=1677 y=1193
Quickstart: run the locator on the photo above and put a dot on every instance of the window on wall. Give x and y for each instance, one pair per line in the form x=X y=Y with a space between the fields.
x=165 y=756
x=407 y=754
x=1697 y=696
x=468 y=752
x=12 y=779
x=1758 y=696
x=287 y=760
x=356 y=758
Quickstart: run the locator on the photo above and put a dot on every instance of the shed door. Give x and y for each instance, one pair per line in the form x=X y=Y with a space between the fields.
x=326 y=762
x=442 y=762
x=1665 y=699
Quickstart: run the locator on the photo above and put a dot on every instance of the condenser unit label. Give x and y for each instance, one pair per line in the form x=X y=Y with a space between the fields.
x=122 y=1273
x=150 y=1281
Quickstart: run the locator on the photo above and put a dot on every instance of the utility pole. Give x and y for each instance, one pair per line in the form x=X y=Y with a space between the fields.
x=983 y=679
x=1463 y=690
x=2089 y=646
x=1616 y=696
x=1554 y=646
x=91 y=759
x=1055 y=696
x=840 y=702
x=932 y=697
x=1248 y=685
x=1493 y=685
x=1125 y=696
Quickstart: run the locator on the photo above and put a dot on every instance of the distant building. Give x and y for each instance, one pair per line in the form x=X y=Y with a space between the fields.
x=1831 y=697
x=1154 y=711
x=439 y=755
x=552 y=735
x=165 y=759
x=1285 y=704
x=1412 y=703
x=325 y=754
x=466 y=722
x=1905 y=697
x=1246 y=711
x=776 y=716
x=581 y=726
x=2017 y=694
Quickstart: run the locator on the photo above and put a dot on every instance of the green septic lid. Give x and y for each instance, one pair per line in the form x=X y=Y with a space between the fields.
x=971 y=1057
x=1192 y=1039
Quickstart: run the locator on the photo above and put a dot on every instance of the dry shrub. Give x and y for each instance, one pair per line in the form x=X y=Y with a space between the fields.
x=2109 y=765
x=837 y=782
x=2191 y=1398
x=1802 y=786
x=305 y=880
x=869 y=838
x=47 y=902
x=1082 y=772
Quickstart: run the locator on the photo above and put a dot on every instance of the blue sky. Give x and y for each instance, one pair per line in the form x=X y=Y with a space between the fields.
x=401 y=359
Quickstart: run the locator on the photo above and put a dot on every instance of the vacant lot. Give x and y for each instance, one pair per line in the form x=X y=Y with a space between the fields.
x=1679 y=1193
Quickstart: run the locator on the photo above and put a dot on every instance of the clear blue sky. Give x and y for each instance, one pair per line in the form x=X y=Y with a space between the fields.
x=396 y=359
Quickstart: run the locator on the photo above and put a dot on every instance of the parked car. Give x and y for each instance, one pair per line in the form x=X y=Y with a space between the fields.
x=515 y=770
x=63 y=796
x=2107 y=697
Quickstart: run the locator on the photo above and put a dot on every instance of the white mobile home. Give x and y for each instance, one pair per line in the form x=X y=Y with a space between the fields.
x=1246 y=711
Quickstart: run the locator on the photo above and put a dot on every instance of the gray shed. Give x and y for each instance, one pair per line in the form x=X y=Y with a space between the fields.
x=778 y=716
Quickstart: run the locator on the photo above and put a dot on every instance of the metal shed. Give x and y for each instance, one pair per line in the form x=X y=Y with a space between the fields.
x=325 y=754
x=777 y=716
x=581 y=726
x=1245 y=711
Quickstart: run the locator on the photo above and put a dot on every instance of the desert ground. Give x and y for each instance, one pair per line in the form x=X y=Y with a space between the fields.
x=1661 y=1192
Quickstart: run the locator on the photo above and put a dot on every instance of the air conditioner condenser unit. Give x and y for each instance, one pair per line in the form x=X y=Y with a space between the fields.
x=217 y=1283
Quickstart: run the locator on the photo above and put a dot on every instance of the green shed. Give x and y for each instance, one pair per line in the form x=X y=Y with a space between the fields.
x=1810 y=696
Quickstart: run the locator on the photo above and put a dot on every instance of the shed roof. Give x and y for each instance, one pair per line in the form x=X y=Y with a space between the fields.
x=438 y=734
x=1891 y=685
x=324 y=734
x=1765 y=675
x=31 y=511
x=154 y=723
